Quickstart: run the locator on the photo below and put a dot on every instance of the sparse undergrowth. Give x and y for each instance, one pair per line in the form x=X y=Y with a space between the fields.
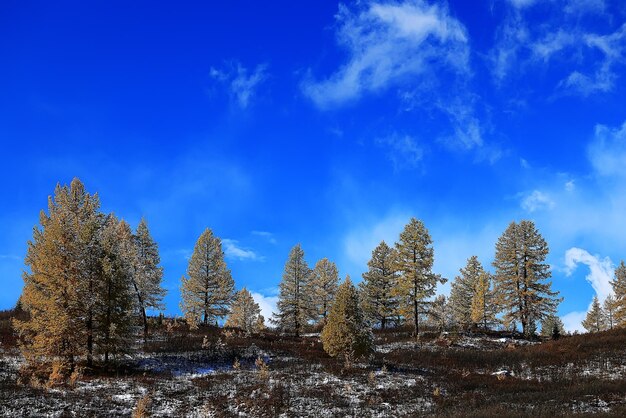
x=182 y=372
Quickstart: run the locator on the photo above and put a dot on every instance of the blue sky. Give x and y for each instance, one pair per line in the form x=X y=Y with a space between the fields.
x=328 y=124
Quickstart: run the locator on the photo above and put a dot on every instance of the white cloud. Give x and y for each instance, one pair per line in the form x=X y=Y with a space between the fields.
x=573 y=321
x=570 y=186
x=242 y=83
x=600 y=270
x=402 y=150
x=267 y=305
x=390 y=43
x=266 y=235
x=585 y=6
x=233 y=250
x=10 y=257
x=522 y=3
x=607 y=151
x=537 y=200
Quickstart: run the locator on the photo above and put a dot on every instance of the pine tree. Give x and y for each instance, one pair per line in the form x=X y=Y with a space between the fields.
x=293 y=301
x=208 y=289
x=619 y=289
x=378 y=300
x=346 y=332
x=462 y=291
x=521 y=285
x=552 y=327
x=115 y=318
x=483 y=306
x=609 y=310
x=595 y=320
x=147 y=275
x=63 y=262
x=322 y=288
x=245 y=313
x=416 y=281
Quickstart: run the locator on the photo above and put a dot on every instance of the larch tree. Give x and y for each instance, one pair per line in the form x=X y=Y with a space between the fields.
x=208 y=288
x=483 y=307
x=115 y=313
x=322 y=289
x=293 y=299
x=245 y=313
x=379 y=302
x=414 y=261
x=346 y=332
x=462 y=291
x=147 y=274
x=63 y=271
x=619 y=290
x=522 y=288
x=595 y=320
x=609 y=311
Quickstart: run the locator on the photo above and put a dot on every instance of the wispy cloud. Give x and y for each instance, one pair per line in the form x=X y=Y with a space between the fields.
x=389 y=44
x=232 y=249
x=537 y=200
x=590 y=62
x=402 y=150
x=11 y=257
x=266 y=235
x=242 y=83
x=607 y=151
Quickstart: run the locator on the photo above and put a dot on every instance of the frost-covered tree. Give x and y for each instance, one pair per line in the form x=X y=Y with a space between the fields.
x=483 y=305
x=346 y=332
x=414 y=261
x=619 y=290
x=521 y=280
x=379 y=302
x=293 y=299
x=439 y=314
x=322 y=288
x=147 y=274
x=462 y=291
x=552 y=326
x=609 y=311
x=115 y=313
x=63 y=260
x=245 y=313
x=208 y=289
x=595 y=321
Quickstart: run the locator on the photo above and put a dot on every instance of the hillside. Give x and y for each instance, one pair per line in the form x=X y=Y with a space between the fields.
x=217 y=372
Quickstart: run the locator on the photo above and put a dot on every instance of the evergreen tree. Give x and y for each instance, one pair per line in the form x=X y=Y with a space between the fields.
x=416 y=281
x=619 y=289
x=322 y=288
x=346 y=332
x=609 y=310
x=115 y=310
x=293 y=300
x=378 y=300
x=521 y=285
x=552 y=326
x=208 y=289
x=595 y=320
x=483 y=306
x=63 y=262
x=245 y=313
x=462 y=291
x=147 y=274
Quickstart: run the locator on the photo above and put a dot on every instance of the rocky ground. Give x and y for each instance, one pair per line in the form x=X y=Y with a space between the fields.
x=212 y=373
